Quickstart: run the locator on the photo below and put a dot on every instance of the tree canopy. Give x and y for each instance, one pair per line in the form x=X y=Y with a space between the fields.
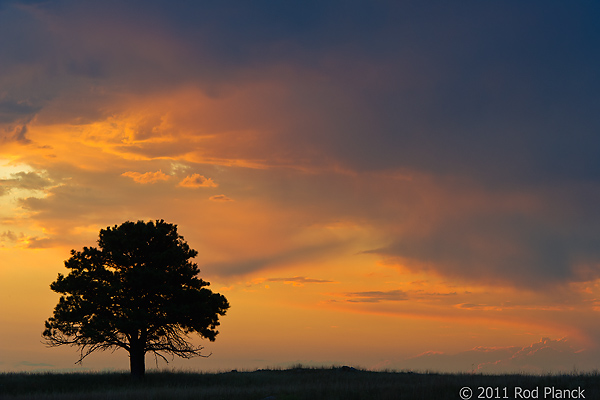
x=139 y=291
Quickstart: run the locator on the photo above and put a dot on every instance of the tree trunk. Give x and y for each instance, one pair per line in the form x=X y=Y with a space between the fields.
x=137 y=359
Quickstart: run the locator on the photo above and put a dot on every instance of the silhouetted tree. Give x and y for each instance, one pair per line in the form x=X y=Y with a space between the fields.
x=137 y=291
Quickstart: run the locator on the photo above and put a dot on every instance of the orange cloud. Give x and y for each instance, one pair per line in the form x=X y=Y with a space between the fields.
x=148 y=177
x=220 y=197
x=298 y=280
x=376 y=296
x=197 y=181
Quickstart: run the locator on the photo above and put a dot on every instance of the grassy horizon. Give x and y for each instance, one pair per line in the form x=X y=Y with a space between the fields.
x=296 y=383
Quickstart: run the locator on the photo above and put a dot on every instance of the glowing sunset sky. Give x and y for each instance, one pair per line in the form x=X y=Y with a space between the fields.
x=380 y=184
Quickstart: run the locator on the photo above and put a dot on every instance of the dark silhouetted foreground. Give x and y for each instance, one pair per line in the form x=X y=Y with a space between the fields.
x=137 y=291
x=293 y=384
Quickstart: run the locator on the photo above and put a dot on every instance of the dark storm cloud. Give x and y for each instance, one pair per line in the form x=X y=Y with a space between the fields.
x=12 y=110
x=549 y=239
x=502 y=92
x=503 y=248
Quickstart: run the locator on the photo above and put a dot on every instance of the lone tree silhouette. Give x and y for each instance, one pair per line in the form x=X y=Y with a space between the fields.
x=137 y=291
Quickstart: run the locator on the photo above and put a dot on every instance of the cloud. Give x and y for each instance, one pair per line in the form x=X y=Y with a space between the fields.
x=73 y=211
x=12 y=111
x=8 y=235
x=315 y=74
x=35 y=242
x=25 y=180
x=512 y=120
x=546 y=356
x=299 y=280
x=220 y=197
x=16 y=133
x=197 y=181
x=517 y=248
x=30 y=180
x=273 y=258
x=532 y=238
x=147 y=177
x=376 y=296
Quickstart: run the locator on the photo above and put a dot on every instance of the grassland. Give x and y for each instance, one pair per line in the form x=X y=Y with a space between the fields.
x=292 y=384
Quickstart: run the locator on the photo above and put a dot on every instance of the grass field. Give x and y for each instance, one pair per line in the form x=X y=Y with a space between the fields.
x=293 y=384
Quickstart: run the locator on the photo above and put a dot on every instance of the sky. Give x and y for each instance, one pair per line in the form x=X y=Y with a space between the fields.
x=382 y=184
